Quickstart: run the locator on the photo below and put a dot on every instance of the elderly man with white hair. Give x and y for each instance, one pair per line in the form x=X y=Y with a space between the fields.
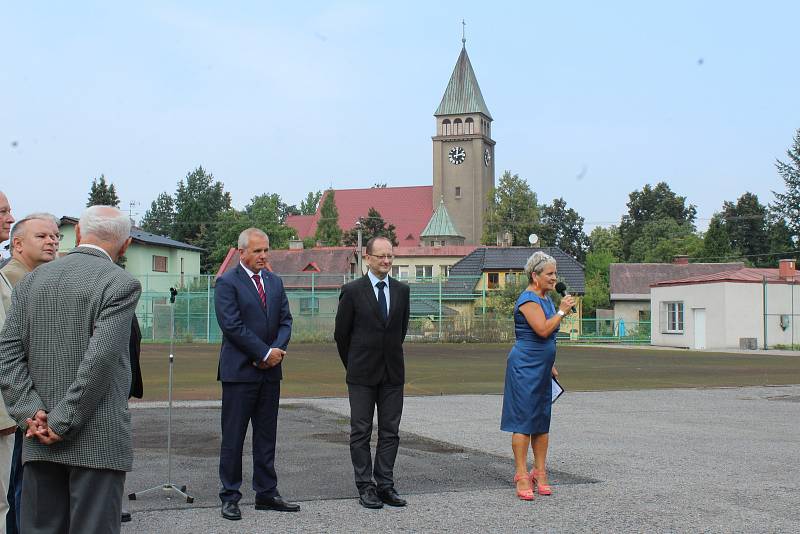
x=65 y=375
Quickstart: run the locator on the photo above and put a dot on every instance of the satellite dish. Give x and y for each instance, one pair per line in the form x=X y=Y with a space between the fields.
x=533 y=239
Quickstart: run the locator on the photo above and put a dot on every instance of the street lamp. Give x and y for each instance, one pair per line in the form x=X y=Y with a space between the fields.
x=359 y=255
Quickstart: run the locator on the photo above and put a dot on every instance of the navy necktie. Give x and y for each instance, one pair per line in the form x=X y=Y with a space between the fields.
x=382 y=300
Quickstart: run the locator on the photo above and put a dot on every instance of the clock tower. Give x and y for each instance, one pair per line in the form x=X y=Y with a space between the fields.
x=463 y=152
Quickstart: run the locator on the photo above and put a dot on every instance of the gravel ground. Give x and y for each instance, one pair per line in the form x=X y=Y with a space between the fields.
x=691 y=460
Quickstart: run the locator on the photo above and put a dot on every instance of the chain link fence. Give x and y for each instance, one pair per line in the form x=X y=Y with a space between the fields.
x=450 y=309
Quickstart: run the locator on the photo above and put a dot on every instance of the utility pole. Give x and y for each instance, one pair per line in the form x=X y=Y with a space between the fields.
x=359 y=255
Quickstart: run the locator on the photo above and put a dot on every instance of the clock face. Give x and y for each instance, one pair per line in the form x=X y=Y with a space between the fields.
x=456 y=155
x=487 y=157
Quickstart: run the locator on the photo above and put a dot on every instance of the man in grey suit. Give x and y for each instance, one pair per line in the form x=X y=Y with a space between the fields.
x=34 y=241
x=65 y=374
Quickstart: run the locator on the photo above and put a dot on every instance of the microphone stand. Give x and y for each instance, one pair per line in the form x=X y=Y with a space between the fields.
x=168 y=486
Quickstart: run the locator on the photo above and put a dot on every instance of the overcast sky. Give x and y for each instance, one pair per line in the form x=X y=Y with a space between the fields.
x=591 y=100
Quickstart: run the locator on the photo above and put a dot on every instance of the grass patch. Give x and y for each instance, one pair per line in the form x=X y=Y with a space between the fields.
x=314 y=370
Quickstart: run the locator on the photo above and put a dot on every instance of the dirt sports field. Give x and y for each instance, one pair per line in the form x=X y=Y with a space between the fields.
x=314 y=370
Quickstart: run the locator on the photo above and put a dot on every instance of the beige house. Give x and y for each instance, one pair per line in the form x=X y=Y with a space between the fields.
x=743 y=308
x=158 y=262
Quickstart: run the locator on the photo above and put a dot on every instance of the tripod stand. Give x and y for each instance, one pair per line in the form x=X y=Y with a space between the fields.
x=168 y=486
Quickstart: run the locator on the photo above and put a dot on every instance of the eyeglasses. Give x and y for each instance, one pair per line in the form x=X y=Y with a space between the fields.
x=5 y=212
x=386 y=257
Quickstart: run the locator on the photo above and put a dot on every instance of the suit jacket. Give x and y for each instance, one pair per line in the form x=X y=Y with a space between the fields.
x=135 y=348
x=369 y=347
x=248 y=329
x=8 y=279
x=64 y=350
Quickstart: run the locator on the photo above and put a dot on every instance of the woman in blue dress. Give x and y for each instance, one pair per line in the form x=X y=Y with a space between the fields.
x=527 y=393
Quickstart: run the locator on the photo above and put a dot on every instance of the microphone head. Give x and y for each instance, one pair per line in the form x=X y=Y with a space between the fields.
x=561 y=288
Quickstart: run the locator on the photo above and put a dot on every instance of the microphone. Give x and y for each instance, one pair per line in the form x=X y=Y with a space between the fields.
x=561 y=289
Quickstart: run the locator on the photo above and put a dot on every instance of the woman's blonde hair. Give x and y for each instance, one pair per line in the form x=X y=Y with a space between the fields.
x=536 y=264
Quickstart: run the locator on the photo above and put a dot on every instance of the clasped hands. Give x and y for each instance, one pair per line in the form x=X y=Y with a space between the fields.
x=39 y=429
x=275 y=357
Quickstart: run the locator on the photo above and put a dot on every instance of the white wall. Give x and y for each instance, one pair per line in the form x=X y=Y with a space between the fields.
x=734 y=310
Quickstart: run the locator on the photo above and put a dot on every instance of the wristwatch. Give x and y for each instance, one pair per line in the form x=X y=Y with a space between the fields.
x=561 y=313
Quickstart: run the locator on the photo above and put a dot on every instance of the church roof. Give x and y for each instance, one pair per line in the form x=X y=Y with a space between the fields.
x=440 y=224
x=463 y=95
x=407 y=208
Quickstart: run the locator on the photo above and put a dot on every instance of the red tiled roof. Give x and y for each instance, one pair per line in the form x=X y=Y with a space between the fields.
x=336 y=260
x=449 y=250
x=408 y=208
x=636 y=278
x=751 y=275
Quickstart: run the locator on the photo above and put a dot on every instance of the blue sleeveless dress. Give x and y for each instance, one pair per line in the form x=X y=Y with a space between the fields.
x=527 y=393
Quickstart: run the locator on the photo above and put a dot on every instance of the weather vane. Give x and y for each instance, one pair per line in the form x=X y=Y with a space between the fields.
x=463 y=31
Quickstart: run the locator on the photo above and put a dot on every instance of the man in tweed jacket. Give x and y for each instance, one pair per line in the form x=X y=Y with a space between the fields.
x=65 y=373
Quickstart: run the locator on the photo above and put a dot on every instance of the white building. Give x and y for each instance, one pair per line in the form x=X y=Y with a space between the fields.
x=742 y=308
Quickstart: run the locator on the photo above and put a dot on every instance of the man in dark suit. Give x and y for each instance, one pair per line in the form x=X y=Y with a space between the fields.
x=371 y=324
x=253 y=314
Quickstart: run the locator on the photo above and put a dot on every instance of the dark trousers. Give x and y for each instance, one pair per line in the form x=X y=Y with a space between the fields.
x=15 y=486
x=61 y=499
x=244 y=403
x=363 y=399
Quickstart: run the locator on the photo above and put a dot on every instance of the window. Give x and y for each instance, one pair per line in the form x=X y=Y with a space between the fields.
x=424 y=271
x=458 y=192
x=469 y=126
x=400 y=272
x=444 y=270
x=159 y=264
x=458 y=127
x=672 y=317
x=511 y=279
x=644 y=316
x=446 y=127
x=494 y=280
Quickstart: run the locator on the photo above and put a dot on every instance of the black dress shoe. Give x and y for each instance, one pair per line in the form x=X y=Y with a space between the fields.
x=126 y=516
x=230 y=510
x=369 y=498
x=278 y=504
x=390 y=497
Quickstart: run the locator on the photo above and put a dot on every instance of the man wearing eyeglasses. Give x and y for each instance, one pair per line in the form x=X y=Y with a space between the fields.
x=371 y=324
x=34 y=241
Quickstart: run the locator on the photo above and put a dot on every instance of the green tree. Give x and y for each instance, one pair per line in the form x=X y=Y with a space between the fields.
x=199 y=201
x=717 y=241
x=661 y=240
x=781 y=244
x=265 y=211
x=746 y=223
x=512 y=208
x=329 y=234
x=653 y=204
x=102 y=193
x=596 y=271
x=787 y=204
x=160 y=218
x=606 y=240
x=563 y=227
x=309 y=205
x=372 y=225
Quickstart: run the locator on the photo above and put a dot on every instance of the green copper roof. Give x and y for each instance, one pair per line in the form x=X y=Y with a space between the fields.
x=463 y=95
x=440 y=224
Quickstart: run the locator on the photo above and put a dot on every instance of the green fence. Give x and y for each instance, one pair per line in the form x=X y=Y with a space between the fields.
x=442 y=310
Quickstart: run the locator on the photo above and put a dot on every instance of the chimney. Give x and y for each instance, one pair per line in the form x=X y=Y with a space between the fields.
x=295 y=244
x=786 y=269
x=680 y=260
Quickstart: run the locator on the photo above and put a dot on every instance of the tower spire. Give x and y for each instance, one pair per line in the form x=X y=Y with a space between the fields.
x=463 y=34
